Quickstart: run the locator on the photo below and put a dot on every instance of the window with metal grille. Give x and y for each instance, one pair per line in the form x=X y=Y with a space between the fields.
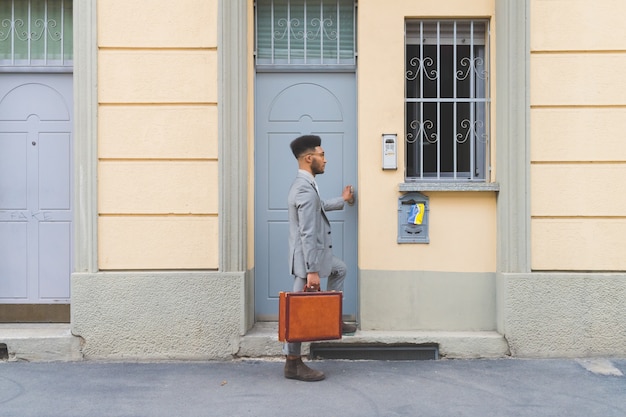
x=291 y=33
x=447 y=100
x=36 y=34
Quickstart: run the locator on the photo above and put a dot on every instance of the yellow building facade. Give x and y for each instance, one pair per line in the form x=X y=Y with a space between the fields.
x=527 y=260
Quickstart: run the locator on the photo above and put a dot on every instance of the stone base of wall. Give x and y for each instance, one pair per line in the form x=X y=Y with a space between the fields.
x=563 y=314
x=202 y=315
x=158 y=315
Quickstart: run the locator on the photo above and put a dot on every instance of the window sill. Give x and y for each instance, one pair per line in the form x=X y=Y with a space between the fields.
x=449 y=186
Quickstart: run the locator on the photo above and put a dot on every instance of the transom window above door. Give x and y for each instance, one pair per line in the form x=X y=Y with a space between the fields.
x=305 y=33
x=36 y=34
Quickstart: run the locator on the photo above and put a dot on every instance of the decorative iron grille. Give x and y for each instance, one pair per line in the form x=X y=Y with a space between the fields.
x=447 y=100
x=305 y=33
x=36 y=33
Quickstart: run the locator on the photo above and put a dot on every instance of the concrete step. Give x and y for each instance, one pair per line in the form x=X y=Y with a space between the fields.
x=262 y=341
x=39 y=342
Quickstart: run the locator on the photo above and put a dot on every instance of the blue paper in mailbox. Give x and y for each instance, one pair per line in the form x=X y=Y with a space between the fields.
x=416 y=213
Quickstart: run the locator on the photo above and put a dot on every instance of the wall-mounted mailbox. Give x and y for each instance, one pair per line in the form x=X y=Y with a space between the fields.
x=413 y=217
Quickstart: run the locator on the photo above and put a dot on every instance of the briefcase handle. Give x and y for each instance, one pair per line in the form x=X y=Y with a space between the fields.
x=311 y=288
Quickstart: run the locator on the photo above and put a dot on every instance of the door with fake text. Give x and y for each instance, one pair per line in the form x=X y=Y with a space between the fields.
x=36 y=188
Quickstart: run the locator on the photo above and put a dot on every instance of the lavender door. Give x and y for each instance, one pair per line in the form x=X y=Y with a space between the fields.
x=36 y=188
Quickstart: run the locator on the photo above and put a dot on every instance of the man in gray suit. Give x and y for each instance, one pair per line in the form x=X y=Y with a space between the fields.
x=310 y=246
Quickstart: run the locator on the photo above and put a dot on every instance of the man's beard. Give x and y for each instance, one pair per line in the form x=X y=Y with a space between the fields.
x=317 y=168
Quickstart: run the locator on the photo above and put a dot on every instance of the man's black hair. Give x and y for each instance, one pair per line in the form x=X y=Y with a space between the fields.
x=304 y=144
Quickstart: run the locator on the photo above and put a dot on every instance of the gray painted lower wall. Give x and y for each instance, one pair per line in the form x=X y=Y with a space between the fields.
x=158 y=315
x=422 y=300
x=563 y=314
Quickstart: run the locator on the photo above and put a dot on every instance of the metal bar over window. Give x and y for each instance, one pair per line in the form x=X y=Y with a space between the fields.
x=322 y=33
x=454 y=107
x=438 y=99
x=62 y=25
x=421 y=137
x=338 y=33
x=272 y=33
x=472 y=94
x=12 y=32
x=29 y=35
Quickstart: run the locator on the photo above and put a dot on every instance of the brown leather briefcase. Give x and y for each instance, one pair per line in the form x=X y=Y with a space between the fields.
x=308 y=316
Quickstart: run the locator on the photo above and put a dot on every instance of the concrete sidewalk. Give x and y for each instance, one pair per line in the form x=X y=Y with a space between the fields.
x=474 y=388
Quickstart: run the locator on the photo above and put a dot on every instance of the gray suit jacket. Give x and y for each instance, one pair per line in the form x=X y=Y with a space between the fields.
x=310 y=243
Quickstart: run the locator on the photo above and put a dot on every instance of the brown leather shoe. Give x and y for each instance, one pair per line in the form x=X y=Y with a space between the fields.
x=348 y=328
x=296 y=369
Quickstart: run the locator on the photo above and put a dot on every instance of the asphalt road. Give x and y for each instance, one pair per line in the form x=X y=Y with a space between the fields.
x=475 y=388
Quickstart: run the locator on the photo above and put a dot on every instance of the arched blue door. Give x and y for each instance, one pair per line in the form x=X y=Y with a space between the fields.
x=289 y=105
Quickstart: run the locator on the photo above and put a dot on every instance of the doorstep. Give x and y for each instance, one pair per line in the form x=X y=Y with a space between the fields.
x=262 y=341
x=43 y=342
